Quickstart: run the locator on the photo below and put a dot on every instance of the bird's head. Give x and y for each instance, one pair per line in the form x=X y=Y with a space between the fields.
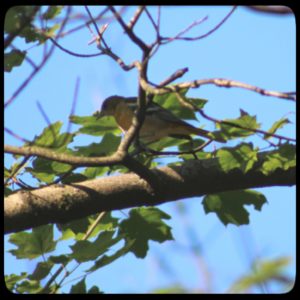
x=109 y=106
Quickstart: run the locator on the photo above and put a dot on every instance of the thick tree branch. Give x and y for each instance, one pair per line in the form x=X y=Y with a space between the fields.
x=194 y=178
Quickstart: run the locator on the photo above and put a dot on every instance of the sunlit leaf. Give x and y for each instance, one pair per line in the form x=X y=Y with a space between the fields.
x=243 y=126
x=283 y=158
x=277 y=125
x=241 y=157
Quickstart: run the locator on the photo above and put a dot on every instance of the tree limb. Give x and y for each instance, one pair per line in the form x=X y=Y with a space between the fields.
x=194 y=178
x=221 y=82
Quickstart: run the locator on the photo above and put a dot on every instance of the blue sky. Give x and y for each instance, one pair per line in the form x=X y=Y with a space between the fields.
x=254 y=48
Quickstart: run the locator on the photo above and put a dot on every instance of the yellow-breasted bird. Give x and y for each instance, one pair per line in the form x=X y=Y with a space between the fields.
x=158 y=123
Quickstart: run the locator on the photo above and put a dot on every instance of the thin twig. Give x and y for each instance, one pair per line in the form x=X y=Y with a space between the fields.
x=128 y=31
x=35 y=71
x=9 y=131
x=76 y=161
x=206 y=34
x=201 y=111
x=73 y=53
x=62 y=267
x=97 y=18
x=136 y=16
x=174 y=76
x=17 y=169
x=74 y=103
x=42 y=111
x=180 y=34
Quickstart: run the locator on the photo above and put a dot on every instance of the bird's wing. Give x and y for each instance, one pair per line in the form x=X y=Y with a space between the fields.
x=165 y=114
x=157 y=111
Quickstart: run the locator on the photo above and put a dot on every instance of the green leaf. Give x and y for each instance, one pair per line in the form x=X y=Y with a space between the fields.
x=229 y=206
x=94 y=290
x=108 y=223
x=74 y=177
x=263 y=271
x=59 y=259
x=19 y=17
x=43 y=169
x=13 y=59
x=241 y=157
x=79 y=287
x=52 y=11
x=51 y=137
x=29 y=287
x=7 y=191
x=108 y=145
x=85 y=250
x=46 y=177
x=188 y=145
x=19 y=22
x=73 y=228
x=277 y=125
x=12 y=280
x=77 y=228
x=171 y=102
x=145 y=224
x=166 y=143
x=245 y=121
x=41 y=271
x=105 y=259
x=60 y=168
x=199 y=102
x=282 y=158
x=96 y=127
x=33 y=244
x=93 y=172
x=172 y=289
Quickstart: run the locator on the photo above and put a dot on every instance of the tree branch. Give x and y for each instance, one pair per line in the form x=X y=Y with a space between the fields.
x=76 y=161
x=271 y=9
x=221 y=82
x=129 y=31
x=194 y=178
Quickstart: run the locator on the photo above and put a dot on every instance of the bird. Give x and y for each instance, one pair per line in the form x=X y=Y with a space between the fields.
x=158 y=123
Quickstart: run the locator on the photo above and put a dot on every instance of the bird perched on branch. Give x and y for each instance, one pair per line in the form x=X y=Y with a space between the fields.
x=158 y=123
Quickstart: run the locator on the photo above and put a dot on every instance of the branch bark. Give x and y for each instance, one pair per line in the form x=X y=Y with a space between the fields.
x=194 y=178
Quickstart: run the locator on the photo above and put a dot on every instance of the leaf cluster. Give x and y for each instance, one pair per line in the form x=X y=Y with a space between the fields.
x=20 y=22
x=110 y=240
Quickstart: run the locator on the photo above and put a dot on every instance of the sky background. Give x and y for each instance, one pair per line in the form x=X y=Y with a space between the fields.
x=251 y=47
